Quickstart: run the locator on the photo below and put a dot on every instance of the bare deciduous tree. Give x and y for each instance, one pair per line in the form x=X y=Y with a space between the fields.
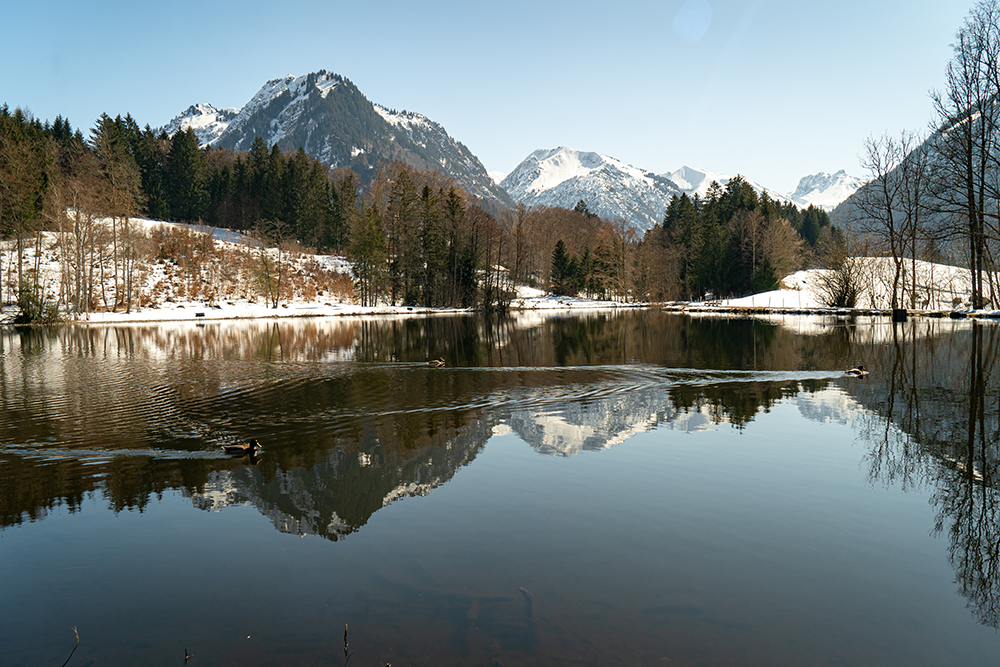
x=890 y=208
x=965 y=144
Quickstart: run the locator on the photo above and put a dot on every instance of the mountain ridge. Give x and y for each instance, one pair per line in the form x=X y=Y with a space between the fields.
x=610 y=188
x=329 y=117
x=613 y=189
x=824 y=190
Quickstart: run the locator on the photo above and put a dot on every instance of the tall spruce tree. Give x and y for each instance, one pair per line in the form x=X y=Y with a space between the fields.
x=186 y=180
x=561 y=279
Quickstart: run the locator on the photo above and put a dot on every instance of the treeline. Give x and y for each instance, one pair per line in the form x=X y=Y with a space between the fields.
x=415 y=238
x=731 y=242
x=128 y=171
x=571 y=252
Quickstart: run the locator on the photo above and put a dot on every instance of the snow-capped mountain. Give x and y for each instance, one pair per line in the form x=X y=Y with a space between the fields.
x=610 y=188
x=694 y=181
x=444 y=154
x=207 y=122
x=825 y=190
x=327 y=115
x=331 y=120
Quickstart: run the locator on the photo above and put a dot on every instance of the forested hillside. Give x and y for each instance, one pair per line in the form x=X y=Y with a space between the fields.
x=732 y=242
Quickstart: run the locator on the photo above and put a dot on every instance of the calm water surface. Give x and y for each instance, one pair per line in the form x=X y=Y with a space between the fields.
x=607 y=489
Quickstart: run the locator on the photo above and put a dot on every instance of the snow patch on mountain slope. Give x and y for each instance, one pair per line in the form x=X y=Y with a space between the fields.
x=610 y=188
x=407 y=120
x=207 y=122
x=297 y=89
x=444 y=151
x=824 y=190
x=556 y=166
x=694 y=181
x=417 y=126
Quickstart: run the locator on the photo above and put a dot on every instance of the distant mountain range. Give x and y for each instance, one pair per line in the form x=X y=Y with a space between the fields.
x=609 y=187
x=612 y=189
x=695 y=181
x=331 y=120
x=825 y=190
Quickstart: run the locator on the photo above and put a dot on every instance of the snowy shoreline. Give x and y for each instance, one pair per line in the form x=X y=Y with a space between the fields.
x=231 y=310
x=200 y=312
x=175 y=293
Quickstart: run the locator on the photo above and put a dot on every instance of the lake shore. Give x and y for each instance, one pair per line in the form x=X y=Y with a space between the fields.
x=944 y=291
x=745 y=307
x=180 y=311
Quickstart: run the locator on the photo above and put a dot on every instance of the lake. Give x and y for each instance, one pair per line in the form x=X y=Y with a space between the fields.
x=606 y=488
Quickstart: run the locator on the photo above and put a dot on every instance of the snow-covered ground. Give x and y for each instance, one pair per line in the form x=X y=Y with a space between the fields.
x=320 y=286
x=938 y=288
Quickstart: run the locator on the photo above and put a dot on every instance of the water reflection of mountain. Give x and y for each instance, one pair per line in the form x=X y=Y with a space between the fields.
x=132 y=411
x=590 y=425
x=337 y=495
x=828 y=405
x=600 y=423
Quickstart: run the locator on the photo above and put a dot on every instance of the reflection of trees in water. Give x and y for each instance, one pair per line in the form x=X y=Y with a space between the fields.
x=935 y=422
x=31 y=487
x=186 y=388
x=346 y=438
x=966 y=495
x=28 y=490
x=736 y=403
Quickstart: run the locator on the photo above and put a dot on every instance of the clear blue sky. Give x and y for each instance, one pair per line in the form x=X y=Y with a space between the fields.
x=772 y=89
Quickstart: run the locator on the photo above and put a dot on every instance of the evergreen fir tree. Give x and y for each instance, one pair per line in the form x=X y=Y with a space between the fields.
x=435 y=254
x=560 y=267
x=185 y=180
x=582 y=208
x=368 y=251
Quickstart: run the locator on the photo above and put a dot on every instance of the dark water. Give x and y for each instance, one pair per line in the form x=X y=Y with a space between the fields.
x=607 y=489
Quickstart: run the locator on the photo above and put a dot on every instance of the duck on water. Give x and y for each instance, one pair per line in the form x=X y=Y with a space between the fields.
x=249 y=448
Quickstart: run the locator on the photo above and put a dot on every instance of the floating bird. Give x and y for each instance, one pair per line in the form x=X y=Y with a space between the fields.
x=436 y=363
x=858 y=371
x=243 y=449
